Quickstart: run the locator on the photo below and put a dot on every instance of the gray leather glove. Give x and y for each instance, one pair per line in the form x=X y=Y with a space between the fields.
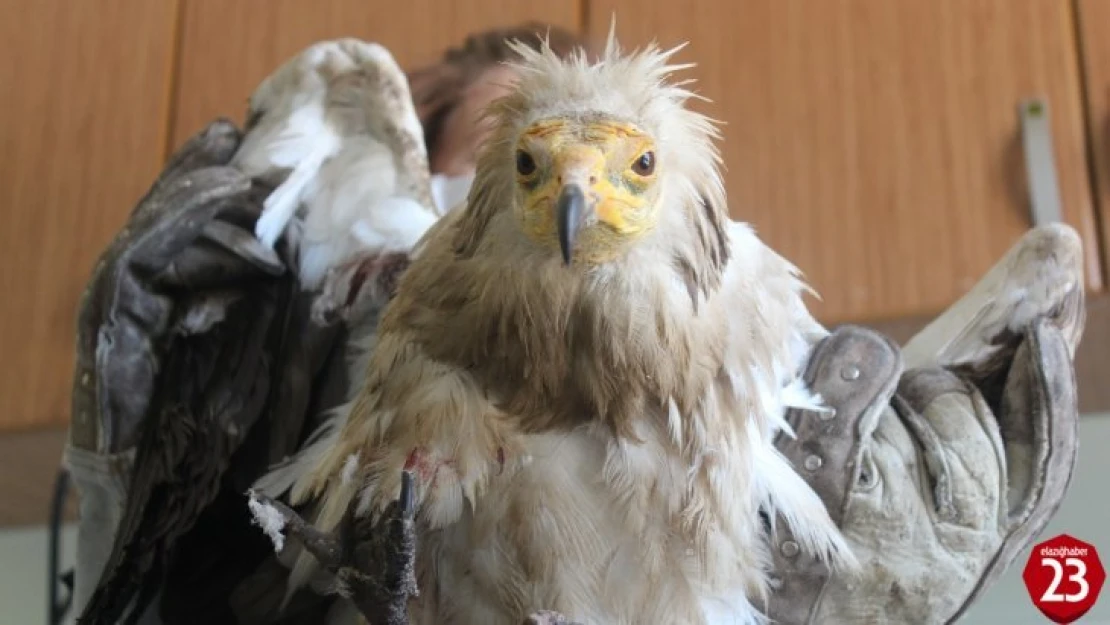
x=940 y=475
x=190 y=334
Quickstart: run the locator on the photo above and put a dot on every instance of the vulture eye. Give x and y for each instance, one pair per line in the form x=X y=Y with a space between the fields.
x=645 y=165
x=525 y=164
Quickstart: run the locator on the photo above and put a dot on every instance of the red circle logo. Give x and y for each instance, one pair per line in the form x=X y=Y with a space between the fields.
x=1064 y=576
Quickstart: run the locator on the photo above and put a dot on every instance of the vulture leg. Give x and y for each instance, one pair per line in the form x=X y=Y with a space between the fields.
x=374 y=562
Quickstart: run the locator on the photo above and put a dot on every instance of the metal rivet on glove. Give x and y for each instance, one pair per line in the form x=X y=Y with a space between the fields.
x=789 y=549
x=851 y=372
x=813 y=463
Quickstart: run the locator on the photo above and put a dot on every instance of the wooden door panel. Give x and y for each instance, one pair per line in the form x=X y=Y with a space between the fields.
x=229 y=47
x=1093 y=17
x=86 y=94
x=876 y=143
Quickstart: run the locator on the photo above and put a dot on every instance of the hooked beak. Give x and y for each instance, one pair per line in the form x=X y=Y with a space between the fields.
x=570 y=211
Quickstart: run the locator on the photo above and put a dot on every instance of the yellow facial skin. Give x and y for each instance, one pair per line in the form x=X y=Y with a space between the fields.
x=606 y=160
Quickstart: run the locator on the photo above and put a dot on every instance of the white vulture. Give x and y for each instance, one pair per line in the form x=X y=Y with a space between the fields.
x=584 y=367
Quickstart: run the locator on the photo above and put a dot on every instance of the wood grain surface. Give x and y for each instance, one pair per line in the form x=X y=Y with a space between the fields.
x=229 y=47
x=877 y=143
x=874 y=143
x=1093 y=21
x=85 y=97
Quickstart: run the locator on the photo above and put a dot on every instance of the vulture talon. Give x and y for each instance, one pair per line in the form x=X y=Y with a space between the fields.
x=407 y=500
x=374 y=561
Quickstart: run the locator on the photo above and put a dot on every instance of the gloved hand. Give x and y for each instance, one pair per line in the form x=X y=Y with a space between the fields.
x=941 y=475
x=190 y=333
x=181 y=236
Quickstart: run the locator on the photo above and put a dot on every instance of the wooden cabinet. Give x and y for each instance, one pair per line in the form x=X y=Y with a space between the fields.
x=1093 y=18
x=229 y=47
x=876 y=143
x=82 y=130
x=97 y=93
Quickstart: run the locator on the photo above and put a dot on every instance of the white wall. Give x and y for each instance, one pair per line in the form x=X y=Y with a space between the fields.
x=23 y=573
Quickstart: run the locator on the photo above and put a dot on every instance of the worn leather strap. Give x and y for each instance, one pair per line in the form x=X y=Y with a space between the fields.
x=855 y=370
